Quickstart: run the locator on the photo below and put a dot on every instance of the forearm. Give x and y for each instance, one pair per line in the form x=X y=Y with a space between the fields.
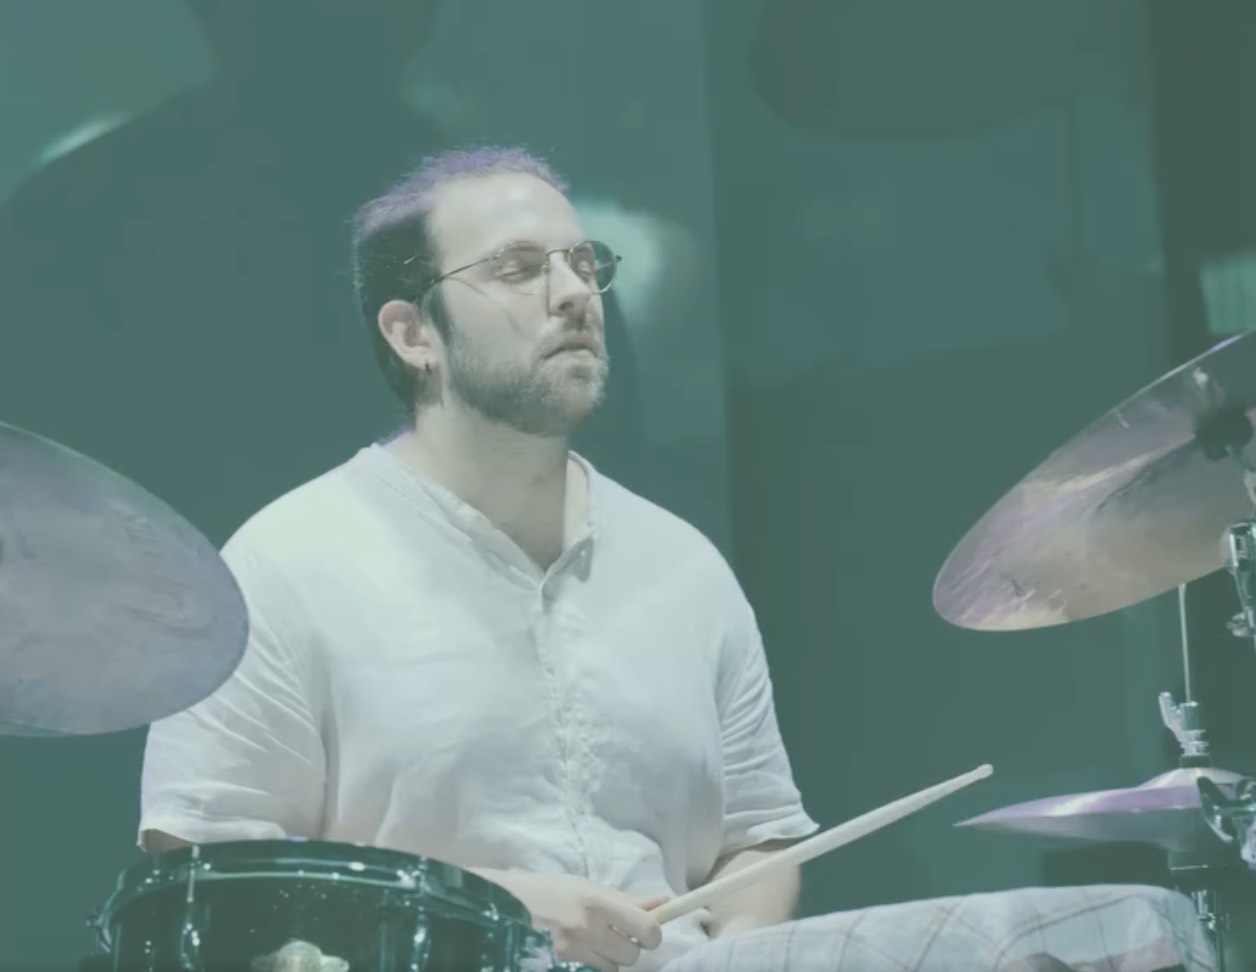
x=766 y=902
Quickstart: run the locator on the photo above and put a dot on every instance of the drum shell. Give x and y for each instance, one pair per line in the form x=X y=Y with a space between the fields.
x=233 y=907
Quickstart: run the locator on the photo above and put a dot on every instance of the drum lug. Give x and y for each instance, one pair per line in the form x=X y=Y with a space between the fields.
x=190 y=946
x=96 y=924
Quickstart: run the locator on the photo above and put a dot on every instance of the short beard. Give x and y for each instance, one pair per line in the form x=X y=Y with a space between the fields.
x=526 y=402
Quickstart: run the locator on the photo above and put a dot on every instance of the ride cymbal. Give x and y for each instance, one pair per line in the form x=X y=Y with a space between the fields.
x=1135 y=505
x=114 y=611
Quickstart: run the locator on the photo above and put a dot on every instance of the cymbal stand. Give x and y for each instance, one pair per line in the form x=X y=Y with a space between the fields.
x=1186 y=720
x=1233 y=819
x=1241 y=563
x=1192 y=872
x=1198 y=878
x=1223 y=434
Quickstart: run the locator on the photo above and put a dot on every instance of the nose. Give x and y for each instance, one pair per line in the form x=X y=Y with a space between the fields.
x=569 y=295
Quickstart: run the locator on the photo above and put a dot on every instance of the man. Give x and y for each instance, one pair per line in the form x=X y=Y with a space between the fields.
x=468 y=644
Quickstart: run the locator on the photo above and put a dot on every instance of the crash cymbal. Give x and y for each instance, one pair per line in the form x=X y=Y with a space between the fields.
x=1134 y=506
x=114 y=611
x=1164 y=811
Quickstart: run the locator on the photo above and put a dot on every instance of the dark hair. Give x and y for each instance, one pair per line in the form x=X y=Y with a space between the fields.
x=395 y=257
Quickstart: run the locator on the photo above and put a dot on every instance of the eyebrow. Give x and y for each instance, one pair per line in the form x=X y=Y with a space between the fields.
x=516 y=244
x=533 y=243
x=509 y=244
x=491 y=253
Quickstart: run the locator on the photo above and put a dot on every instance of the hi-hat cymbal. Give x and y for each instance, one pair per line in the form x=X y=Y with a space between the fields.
x=1134 y=506
x=114 y=611
x=1164 y=811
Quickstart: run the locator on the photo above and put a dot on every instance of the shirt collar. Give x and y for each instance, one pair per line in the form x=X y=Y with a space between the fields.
x=440 y=501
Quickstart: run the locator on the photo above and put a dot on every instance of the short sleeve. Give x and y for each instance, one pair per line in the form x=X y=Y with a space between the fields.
x=247 y=762
x=761 y=801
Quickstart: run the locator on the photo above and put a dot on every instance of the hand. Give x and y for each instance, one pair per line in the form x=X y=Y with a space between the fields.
x=589 y=923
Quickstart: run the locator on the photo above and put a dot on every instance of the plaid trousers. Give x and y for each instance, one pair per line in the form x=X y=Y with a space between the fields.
x=1103 y=928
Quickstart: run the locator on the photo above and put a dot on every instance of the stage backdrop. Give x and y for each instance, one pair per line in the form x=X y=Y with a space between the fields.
x=875 y=270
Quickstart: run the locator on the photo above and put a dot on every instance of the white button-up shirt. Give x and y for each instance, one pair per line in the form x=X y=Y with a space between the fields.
x=413 y=681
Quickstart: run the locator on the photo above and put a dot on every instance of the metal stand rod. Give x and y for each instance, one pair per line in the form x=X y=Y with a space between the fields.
x=1213 y=918
x=1201 y=877
x=1186 y=720
x=1186 y=645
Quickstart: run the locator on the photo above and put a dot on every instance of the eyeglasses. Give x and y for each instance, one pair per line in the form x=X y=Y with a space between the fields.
x=525 y=266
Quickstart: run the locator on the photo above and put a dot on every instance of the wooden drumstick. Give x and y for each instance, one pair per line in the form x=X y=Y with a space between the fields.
x=813 y=847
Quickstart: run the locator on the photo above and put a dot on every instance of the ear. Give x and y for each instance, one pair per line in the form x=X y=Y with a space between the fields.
x=410 y=333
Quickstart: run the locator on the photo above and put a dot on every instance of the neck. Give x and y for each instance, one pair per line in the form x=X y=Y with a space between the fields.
x=518 y=481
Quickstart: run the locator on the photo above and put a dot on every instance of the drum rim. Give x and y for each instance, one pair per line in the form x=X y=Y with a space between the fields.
x=264 y=859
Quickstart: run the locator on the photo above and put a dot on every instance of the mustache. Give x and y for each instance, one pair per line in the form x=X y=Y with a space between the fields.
x=583 y=333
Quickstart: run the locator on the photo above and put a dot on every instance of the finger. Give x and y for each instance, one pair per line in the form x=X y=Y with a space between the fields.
x=636 y=925
x=613 y=945
x=649 y=904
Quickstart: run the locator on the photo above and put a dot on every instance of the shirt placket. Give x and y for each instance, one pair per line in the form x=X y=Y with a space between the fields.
x=554 y=630
x=549 y=636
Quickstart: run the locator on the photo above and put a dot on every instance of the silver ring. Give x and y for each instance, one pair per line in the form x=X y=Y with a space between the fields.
x=635 y=940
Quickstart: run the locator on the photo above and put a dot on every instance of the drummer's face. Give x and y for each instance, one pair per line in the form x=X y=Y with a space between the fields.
x=505 y=357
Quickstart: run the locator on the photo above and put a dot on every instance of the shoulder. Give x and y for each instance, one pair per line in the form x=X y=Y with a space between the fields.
x=312 y=524
x=295 y=517
x=664 y=545
x=631 y=518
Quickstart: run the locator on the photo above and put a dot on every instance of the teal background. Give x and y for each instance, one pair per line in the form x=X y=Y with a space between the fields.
x=855 y=308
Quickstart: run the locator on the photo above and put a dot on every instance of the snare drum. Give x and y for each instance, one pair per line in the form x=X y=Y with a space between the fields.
x=311 y=906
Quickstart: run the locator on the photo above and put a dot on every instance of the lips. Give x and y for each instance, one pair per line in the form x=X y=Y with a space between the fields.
x=577 y=345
